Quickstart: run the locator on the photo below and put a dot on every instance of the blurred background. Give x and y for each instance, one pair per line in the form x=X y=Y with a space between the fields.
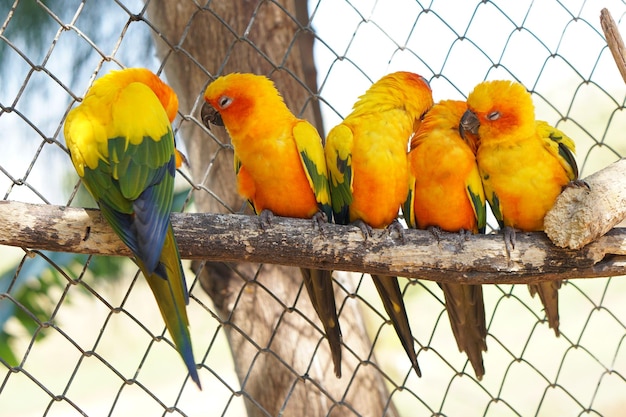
x=81 y=335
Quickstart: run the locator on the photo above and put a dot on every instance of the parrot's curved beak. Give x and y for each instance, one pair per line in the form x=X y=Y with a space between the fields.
x=210 y=116
x=469 y=124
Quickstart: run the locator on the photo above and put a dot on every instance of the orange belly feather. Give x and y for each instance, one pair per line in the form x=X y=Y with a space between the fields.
x=276 y=181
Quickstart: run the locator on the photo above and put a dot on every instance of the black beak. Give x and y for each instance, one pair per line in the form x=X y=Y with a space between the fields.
x=469 y=123
x=210 y=116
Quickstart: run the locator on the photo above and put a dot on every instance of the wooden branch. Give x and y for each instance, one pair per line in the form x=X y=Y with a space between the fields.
x=296 y=242
x=614 y=41
x=581 y=215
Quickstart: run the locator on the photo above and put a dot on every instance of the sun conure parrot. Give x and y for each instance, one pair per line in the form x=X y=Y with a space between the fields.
x=446 y=193
x=121 y=143
x=367 y=163
x=280 y=168
x=524 y=165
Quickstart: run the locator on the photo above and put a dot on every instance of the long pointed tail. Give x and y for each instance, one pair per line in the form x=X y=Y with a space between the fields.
x=549 y=294
x=319 y=285
x=466 y=311
x=172 y=298
x=391 y=296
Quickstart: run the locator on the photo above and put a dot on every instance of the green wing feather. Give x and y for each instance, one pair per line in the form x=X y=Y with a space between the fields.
x=476 y=195
x=319 y=282
x=236 y=163
x=339 y=160
x=391 y=296
x=135 y=193
x=311 y=152
x=408 y=208
x=172 y=298
x=559 y=145
x=133 y=184
x=496 y=208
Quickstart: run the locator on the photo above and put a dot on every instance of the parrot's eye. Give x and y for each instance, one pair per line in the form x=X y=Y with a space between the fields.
x=224 y=102
x=495 y=115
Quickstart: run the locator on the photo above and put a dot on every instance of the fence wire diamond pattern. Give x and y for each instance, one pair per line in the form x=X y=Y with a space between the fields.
x=81 y=336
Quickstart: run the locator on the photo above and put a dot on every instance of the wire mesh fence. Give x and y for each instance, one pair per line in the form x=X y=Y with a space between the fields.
x=81 y=334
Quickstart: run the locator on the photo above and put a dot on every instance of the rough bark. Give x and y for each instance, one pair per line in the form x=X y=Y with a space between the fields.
x=614 y=41
x=581 y=215
x=197 y=44
x=231 y=238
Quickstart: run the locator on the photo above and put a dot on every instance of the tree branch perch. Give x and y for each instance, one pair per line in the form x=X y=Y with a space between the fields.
x=296 y=242
x=581 y=215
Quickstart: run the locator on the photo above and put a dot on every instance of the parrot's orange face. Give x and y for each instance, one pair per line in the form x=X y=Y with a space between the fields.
x=446 y=115
x=232 y=103
x=499 y=108
x=233 y=98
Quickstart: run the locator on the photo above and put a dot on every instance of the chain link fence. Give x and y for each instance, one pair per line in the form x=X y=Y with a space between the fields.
x=82 y=336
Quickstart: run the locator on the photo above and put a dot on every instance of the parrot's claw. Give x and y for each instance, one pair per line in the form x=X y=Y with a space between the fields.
x=397 y=227
x=578 y=184
x=509 y=238
x=319 y=220
x=366 y=229
x=436 y=232
x=465 y=235
x=265 y=219
x=461 y=237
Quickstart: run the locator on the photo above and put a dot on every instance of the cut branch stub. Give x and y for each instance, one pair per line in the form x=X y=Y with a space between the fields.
x=581 y=215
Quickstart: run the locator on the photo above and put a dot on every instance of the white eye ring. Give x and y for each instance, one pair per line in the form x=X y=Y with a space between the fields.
x=493 y=115
x=224 y=102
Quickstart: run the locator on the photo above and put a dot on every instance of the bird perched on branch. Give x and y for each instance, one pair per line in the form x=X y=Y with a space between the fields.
x=446 y=193
x=280 y=168
x=121 y=143
x=367 y=163
x=524 y=165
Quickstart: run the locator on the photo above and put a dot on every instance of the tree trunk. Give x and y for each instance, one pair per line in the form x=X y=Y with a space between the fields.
x=281 y=358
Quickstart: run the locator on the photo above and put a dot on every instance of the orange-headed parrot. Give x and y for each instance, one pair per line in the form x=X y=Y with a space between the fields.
x=367 y=162
x=121 y=143
x=280 y=168
x=446 y=193
x=524 y=165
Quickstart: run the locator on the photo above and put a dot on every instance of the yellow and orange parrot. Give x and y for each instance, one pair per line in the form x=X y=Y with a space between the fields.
x=280 y=168
x=122 y=146
x=524 y=165
x=446 y=193
x=367 y=163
